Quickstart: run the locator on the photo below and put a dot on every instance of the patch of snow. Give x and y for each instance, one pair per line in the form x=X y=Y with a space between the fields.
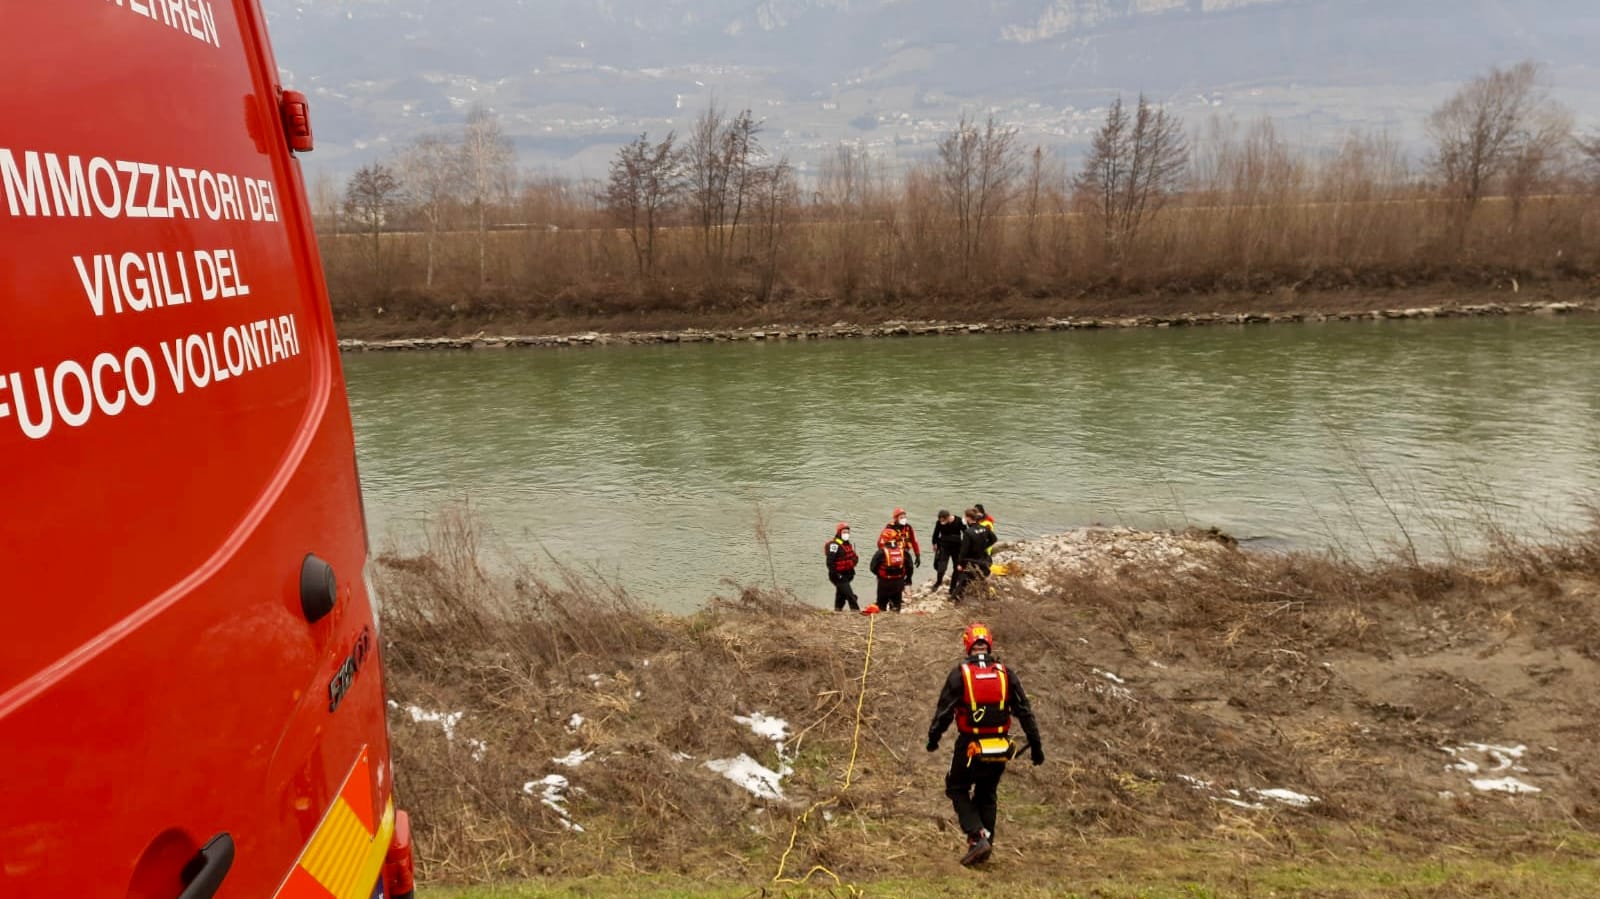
x=1287 y=797
x=594 y=680
x=682 y=757
x=1156 y=664
x=1235 y=798
x=554 y=786
x=575 y=722
x=1112 y=690
x=774 y=729
x=750 y=774
x=1504 y=785
x=574 y=758
x=446 y=720
x=1239 y=802
x=1504 y=758
x=1109 y=676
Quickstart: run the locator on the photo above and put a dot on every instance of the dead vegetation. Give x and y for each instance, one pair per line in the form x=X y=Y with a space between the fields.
x=1174 y=705
x=1160 y=217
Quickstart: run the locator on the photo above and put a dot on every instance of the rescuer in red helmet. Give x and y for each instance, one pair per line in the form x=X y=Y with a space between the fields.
x=899 y=528
x=981 y=696
x=891 y=564
x=842 y=559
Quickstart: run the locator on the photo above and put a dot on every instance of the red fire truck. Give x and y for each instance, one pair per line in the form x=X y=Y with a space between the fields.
x=191 y=701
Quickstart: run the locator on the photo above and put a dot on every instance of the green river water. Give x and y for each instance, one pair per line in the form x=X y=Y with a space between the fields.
x=650 y=465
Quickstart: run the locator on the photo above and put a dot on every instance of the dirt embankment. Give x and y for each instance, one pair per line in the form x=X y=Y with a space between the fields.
x=1271 y=705
x=470 y=327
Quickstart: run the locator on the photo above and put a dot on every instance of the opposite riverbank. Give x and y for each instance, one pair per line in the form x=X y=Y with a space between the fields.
x=1329 y=728
x=1092 y=317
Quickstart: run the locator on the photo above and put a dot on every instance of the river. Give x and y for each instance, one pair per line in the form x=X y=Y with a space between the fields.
x=650 y=465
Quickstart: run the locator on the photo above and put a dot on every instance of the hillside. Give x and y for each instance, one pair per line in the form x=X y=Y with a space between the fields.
x=1241 y=722
x=574 y=78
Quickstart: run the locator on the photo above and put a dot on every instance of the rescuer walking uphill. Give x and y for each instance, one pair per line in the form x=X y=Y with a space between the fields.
x=842 y=559
x=980 y=695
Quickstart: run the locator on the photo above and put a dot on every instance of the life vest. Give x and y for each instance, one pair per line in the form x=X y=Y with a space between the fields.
x=894 y=562
x=983 y=708
x=904 y=534
x=844 y=558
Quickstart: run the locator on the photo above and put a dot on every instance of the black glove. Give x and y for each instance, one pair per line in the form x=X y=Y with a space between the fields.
x=933 y=744
x=1038 y=755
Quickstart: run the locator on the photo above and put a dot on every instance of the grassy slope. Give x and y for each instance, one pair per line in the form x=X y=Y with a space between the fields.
x=1555 y=865
x=1312 y=673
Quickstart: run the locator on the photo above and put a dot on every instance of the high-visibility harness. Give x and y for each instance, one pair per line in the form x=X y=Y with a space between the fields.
x=985 y=710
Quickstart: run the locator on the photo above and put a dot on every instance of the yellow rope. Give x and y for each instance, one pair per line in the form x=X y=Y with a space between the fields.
x=849 y=776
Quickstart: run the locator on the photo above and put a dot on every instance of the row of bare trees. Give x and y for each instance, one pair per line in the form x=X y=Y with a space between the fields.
x=1505 y=182
x=719 y=179
x=437 y=173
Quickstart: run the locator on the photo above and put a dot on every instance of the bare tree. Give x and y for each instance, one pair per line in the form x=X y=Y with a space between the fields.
x=844 y=181
x=642 y=188
x=718 y=160
x=433 y=171
x=368 y=196
x=1493 y=124
x=488 y=164
x=978 y=168
x=1135 y=165
x=326 y=202
x=1589 y=157
x=1543 y=154
x=844 y=193
x=1033 y=197
x=774 y=196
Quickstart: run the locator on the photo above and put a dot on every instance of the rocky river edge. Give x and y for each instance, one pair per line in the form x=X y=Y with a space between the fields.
x=841 y=331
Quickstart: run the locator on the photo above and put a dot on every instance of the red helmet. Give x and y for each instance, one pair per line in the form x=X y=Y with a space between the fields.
x=974 y=634
x=841 y=528
x=897 y=514
x=888 y=536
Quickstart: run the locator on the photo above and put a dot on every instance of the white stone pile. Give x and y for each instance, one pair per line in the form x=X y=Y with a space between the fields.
x=1107 y=553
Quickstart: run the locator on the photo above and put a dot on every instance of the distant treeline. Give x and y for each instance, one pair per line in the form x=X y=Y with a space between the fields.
x=709 y=225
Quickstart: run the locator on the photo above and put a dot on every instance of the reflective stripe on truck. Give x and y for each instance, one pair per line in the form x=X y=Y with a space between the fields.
x=344 y=857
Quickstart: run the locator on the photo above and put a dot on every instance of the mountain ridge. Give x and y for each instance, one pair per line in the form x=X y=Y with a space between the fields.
x=572 y=79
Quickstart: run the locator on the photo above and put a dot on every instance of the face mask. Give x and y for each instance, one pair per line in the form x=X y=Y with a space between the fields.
x=845 y=536
x=902 y=520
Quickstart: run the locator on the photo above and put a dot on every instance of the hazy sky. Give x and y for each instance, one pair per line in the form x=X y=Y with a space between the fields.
x=572 y=79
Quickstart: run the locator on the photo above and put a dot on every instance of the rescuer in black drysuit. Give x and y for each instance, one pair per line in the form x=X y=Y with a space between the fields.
x=981 y=696
x=947 y=532
x=973 y=563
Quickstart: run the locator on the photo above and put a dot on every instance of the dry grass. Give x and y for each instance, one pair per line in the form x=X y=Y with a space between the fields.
x=1301 y=671
x=1300 y=239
